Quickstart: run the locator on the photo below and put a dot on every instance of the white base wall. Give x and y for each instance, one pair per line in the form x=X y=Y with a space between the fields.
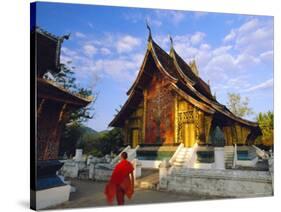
x=225 y=183
x=52 y=196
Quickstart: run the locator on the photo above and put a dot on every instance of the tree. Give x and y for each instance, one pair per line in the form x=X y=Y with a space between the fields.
x=72 y=133
x=266 y=123
x=67 y=80
x=102 y=143
x=239 y=106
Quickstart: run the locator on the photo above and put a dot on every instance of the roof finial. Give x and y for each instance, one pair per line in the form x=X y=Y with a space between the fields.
x=66 y=37
x=172 y=42
x=148 y=27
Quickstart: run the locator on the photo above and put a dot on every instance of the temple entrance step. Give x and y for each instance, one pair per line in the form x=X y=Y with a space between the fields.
x=149 y=179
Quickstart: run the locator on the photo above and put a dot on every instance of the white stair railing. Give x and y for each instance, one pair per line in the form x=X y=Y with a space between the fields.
x=173 y=158
x=132 y=153
x=117 y=158
x=193 y=157
x=234 y=156
x=261 y=153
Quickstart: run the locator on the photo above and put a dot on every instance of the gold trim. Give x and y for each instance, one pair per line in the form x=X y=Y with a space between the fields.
x=144 y=114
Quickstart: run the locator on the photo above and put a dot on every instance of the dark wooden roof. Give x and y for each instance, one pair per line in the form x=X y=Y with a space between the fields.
x=183 y=80
x=47 y=48
x=49 y=90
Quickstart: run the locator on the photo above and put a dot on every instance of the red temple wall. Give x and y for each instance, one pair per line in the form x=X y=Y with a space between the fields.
x=48 y=131
x=159 y=126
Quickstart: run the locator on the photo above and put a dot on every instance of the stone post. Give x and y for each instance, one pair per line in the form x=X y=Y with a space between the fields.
x=271 y=169
x=137 y=168
x=219 y=158
x=163 y=173
x=78 y=155
x=91 y=170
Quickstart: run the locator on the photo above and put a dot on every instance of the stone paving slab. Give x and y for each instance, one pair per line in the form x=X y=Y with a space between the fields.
x=90 y=194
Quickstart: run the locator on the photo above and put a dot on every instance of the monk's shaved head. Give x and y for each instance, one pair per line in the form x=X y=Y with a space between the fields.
x=124 y=155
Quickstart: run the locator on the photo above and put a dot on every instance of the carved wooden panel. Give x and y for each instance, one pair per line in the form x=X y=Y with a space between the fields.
x=48 y=131
x=159 y=126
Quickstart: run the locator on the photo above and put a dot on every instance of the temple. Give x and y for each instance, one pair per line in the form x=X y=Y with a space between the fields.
x=169 y=104
x=54 y=104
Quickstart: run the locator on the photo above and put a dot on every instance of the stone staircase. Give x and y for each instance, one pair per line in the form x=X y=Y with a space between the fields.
x=183 y=156
x=132 y=154
x=228 y=156
x=149 y=179
x=252 y=152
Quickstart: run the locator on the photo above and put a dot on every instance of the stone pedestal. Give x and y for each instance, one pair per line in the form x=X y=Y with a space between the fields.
x=50 y=189
x=51 y=197
x=219 y=158
x=163 y=173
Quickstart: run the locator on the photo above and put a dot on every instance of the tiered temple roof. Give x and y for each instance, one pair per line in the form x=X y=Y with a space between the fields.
x=47 y=50
x=185 y=81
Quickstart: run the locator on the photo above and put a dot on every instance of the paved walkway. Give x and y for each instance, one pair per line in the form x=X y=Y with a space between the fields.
x=90 y=194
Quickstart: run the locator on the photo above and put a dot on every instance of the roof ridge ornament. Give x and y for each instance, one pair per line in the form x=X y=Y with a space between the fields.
x=172 y=42
x=66 y=37
x=149 y=29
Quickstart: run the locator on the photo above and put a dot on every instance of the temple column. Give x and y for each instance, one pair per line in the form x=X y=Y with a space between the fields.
x=208 y=122
x=176 y=119
x=201 y=126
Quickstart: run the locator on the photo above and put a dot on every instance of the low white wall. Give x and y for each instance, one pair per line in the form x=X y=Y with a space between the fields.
x=226 y=183
x=102 y=174
x=71 y=168
x=150 y=163
x=198 y=165
x=52 y=196
x=247 y=163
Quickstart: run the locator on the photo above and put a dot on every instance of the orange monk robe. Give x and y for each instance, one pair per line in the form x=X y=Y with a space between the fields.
x=120 y=177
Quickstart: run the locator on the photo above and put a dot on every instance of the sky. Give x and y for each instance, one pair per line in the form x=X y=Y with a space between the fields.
x=107 y=45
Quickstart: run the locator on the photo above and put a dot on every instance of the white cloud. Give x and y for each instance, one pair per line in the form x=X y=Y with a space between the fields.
x=253 y=37
x=120 y=69
x=205 y=47
x=229 y=36
x=245 y=60
x=266 y=56
x=263 y=85
x=89 y=50
x=248 y=26
x=197 y=38
x=174 y=16
x=80 y=35
x=221 y=50
x=105 y=51
x=127 y=44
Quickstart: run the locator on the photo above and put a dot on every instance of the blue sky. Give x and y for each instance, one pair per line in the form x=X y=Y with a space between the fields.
x=107 y=45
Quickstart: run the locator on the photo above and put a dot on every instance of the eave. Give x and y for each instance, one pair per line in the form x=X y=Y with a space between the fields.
x=47 y=89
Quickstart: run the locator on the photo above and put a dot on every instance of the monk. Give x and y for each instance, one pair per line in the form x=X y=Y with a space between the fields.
x=121 y=182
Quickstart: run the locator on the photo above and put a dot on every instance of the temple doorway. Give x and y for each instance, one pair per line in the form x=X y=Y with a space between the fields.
x=189 y=134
